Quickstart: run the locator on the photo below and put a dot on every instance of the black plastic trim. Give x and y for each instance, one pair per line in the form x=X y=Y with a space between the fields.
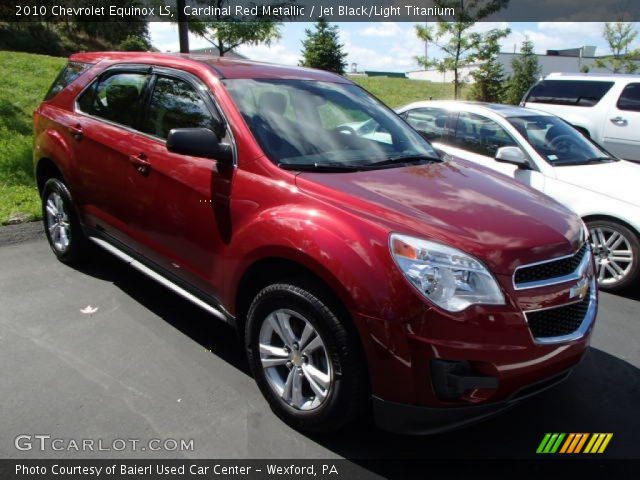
x=420 y=420
x=163 y=272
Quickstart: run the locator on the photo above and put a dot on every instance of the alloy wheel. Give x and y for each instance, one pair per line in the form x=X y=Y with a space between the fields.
x=295 y=360
x=613 y=254
x=58 y=222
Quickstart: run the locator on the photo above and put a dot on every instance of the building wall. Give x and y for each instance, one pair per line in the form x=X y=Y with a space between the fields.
x=548 y=64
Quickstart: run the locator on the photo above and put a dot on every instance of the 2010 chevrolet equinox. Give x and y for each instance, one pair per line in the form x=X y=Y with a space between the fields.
x=363 y=272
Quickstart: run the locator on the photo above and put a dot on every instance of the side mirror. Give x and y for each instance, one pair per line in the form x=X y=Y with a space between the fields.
x=199 y=142
x=514 y=156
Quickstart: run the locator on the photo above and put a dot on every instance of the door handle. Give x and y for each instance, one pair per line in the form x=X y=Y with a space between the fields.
x=76 y=131
x=621 y=122
x=140 y=163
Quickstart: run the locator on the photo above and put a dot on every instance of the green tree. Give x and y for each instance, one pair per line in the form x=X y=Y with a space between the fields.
x=619 y=36
x=489 y=77
x=525 y=73
x=62 y=38
x=322 y=48
x=456 y=38
x=228 y=32
x=134 y=43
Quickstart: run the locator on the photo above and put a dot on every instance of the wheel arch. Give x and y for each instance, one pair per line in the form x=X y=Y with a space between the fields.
x=270 y=269
x=52 y=148
x=611 y=218
x=45 y=169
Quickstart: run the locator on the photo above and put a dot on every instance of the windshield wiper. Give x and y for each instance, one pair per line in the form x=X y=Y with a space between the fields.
x=320 y=167
x=587 y=161
x=398 y=161
x=403 y=160
x=601 y=160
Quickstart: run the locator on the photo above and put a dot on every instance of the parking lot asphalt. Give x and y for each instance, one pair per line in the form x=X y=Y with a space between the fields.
x=148 y=365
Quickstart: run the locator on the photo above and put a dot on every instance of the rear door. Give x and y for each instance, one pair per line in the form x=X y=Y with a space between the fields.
x=107 y=145
x=622 y=125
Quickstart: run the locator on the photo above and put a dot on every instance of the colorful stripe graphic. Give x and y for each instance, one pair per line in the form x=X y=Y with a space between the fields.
x=574 y=443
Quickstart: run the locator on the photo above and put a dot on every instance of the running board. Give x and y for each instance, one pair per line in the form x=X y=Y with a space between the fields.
x=159 y=278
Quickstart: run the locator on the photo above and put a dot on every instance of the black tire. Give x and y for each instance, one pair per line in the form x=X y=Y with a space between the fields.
x=631 y=276
x=76 y=251
x=348 y=397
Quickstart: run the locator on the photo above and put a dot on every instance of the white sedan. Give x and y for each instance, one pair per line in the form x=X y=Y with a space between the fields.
x=546 y=153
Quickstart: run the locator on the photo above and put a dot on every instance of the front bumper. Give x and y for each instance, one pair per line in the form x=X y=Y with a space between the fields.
x=435 y=371
x=418 y=420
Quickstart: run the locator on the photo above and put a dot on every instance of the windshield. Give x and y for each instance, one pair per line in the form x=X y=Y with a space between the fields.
x=313 y=124
x=557 y=141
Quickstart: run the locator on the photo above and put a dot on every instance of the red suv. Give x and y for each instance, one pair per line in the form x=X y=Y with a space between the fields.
x=364 y=273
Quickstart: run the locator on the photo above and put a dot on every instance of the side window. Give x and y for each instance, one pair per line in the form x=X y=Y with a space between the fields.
x=630 y=98
x=117 y=98
x=577 y=93
x=430 y=122
x=175 y=104
x=66 y=76
x=481 y=135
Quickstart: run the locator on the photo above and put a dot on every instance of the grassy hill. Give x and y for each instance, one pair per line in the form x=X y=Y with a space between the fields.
x=24 y=80
x=397 y=92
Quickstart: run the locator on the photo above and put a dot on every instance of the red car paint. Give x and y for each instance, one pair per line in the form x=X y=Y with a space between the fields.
x=209 y=224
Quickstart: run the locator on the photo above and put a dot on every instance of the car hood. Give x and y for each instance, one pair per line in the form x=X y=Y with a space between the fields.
x=617 y=180
x=488 y=215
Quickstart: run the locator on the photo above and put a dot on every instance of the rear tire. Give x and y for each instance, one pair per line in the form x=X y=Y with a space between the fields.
x=305 y=361
x=616 y=250
x=61 y=224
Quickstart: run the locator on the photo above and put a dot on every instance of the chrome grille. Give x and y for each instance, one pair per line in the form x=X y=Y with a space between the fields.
x=558 y=322
x=550 y=271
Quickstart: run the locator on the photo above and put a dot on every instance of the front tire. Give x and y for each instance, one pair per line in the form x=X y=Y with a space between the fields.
x=61 y=224
x=304 y=359
x=616 y=250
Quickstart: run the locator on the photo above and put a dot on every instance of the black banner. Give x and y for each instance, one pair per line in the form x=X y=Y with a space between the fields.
x=309 y=469
x=310 y=10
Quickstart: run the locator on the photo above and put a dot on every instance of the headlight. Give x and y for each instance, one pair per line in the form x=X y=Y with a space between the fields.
x=448 y=277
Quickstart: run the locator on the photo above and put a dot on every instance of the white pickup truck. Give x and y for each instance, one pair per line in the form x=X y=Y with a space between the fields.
x=604 y=107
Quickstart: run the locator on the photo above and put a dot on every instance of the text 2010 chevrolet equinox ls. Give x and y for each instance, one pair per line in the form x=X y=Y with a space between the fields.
x=364 y=273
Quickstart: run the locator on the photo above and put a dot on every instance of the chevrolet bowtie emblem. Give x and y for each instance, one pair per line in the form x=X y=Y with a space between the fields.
x=580 y=290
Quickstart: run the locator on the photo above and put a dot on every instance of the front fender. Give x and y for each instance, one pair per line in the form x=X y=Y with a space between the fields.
x=351 y=257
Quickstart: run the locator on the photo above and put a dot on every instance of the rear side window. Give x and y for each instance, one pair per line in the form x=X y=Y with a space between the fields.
x=117 y=98
x=176 y=104
x=430 y=122
x=630 y=98
x=67 y=75
x=579 y=93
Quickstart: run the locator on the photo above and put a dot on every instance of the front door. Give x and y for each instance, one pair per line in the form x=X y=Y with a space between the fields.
x=188 y=222
x=478 y=138
x=622 y=126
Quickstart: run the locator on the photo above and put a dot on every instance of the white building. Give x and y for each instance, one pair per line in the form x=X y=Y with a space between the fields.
x=571 y=60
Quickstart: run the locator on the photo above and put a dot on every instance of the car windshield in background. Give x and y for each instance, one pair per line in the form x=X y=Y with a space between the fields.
x=316 y=125
x=558 y=142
